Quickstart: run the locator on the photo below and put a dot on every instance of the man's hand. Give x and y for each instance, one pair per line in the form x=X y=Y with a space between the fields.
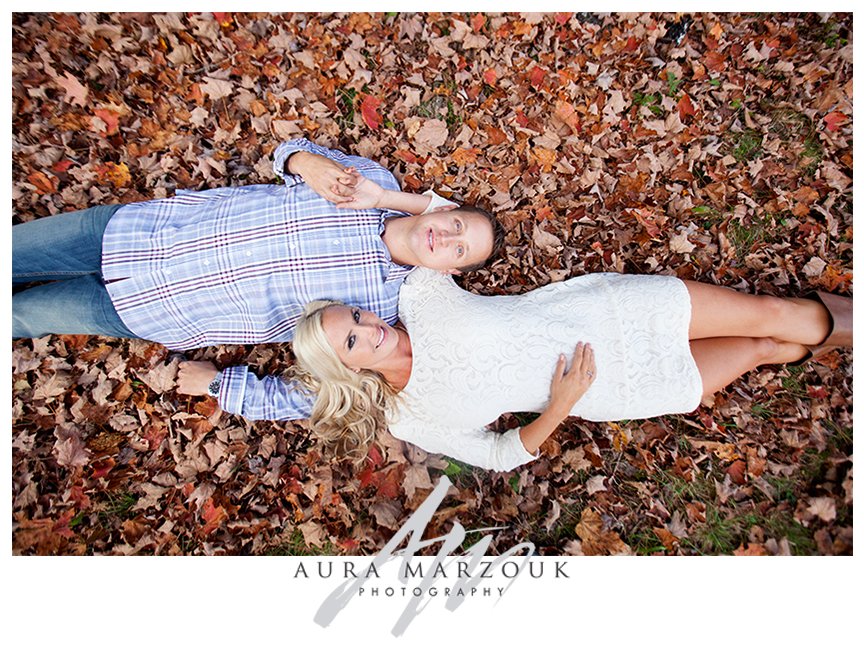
x=328 y=178
x=193 y=377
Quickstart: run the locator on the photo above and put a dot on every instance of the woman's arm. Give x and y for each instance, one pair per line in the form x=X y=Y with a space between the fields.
x=567 y=389
x=367 y=194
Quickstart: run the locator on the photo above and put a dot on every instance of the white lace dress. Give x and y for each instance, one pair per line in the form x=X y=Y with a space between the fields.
x=476 y=357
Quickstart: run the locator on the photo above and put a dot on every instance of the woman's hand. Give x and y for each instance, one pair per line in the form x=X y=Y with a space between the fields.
x=328 y=178
x=366 y=194
x=569 y=387
x=193 y=377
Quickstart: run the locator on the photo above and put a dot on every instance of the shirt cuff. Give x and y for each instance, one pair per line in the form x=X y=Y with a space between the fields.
x=232 y=392
x=436 y=202
x=284 y=151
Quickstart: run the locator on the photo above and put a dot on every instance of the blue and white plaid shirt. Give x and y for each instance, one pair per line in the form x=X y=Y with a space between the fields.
x=238 y=264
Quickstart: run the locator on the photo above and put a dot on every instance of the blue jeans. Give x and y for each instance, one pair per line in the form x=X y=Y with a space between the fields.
x=66 y=251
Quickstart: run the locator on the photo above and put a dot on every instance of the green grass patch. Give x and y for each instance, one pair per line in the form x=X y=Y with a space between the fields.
x=345 y=101
x=672 y=84
x=440 y=107
x=746 y=145
x=795 y=383
x=651 y=101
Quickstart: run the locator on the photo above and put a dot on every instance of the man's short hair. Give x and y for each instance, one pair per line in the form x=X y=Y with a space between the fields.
x=497 y=236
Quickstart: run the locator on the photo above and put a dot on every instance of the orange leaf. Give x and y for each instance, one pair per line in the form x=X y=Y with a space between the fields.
x=405 y=155
x=464 y=156
x=212 y=515
x=685 y=107
x=562 y=17
x=477 y=22
x=647 y=220
x=490 y=76
x=369 y=110
x=102 y=467
x=834 y=120
x=715 y=61
x=495 y=135
x=546 y=158
x=565 y=112
x=44 y=184
x=224 y=18
x=111 y=119
x=118 y=175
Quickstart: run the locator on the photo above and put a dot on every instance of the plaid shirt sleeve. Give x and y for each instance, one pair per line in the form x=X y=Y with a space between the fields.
x=270 y=398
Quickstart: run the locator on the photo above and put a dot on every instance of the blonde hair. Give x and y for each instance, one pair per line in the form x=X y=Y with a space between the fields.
x=351 y=406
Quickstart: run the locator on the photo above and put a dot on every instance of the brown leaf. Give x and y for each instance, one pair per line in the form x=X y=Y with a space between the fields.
x=737 y=472
x=596 y=540
x=76 y=93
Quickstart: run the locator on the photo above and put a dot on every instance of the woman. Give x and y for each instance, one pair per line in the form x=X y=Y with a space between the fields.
x=654 y=345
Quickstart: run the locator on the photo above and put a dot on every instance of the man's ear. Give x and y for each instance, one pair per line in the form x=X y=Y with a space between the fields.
x=454 y=271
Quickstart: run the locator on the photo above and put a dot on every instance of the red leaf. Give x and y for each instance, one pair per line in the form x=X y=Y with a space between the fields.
x=224 y=17
x=834 y=120
x=490 y=76
x=536 y=76
x=562 y=17
x=685 y=107
x=389 y=482
x=61 y=166
x=817 y=392
x=369 y=110
x=477 y=22
x=375 y=456
x=102 y=467
x=212 y=515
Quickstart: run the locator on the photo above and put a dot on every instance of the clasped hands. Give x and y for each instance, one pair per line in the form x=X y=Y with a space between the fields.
x=344 y=186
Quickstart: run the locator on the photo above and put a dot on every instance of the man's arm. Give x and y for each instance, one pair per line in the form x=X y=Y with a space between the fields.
x=338 y=177
x=241 y=392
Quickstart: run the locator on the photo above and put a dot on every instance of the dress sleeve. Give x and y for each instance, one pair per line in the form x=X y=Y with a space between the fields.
x=270 y=398
x=481 y=447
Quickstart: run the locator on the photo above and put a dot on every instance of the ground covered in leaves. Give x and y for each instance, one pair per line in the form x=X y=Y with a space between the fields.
x=712 y=147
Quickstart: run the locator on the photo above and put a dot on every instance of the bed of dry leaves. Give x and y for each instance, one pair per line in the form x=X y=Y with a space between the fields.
x=712 y=147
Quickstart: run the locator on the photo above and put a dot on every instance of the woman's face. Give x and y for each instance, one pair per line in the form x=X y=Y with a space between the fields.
x=361 y=339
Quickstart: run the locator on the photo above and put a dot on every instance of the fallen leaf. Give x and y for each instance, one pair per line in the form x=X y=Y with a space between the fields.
x=75 y=92
x=369 y=110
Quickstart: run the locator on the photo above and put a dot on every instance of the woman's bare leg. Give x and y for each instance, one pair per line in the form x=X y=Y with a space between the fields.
x=722 y=360
x=723 y=312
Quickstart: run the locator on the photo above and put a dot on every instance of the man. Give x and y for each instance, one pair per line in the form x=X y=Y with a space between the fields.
x=236 y=265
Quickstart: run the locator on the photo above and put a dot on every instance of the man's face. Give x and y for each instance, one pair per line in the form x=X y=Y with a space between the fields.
x=447 y=241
